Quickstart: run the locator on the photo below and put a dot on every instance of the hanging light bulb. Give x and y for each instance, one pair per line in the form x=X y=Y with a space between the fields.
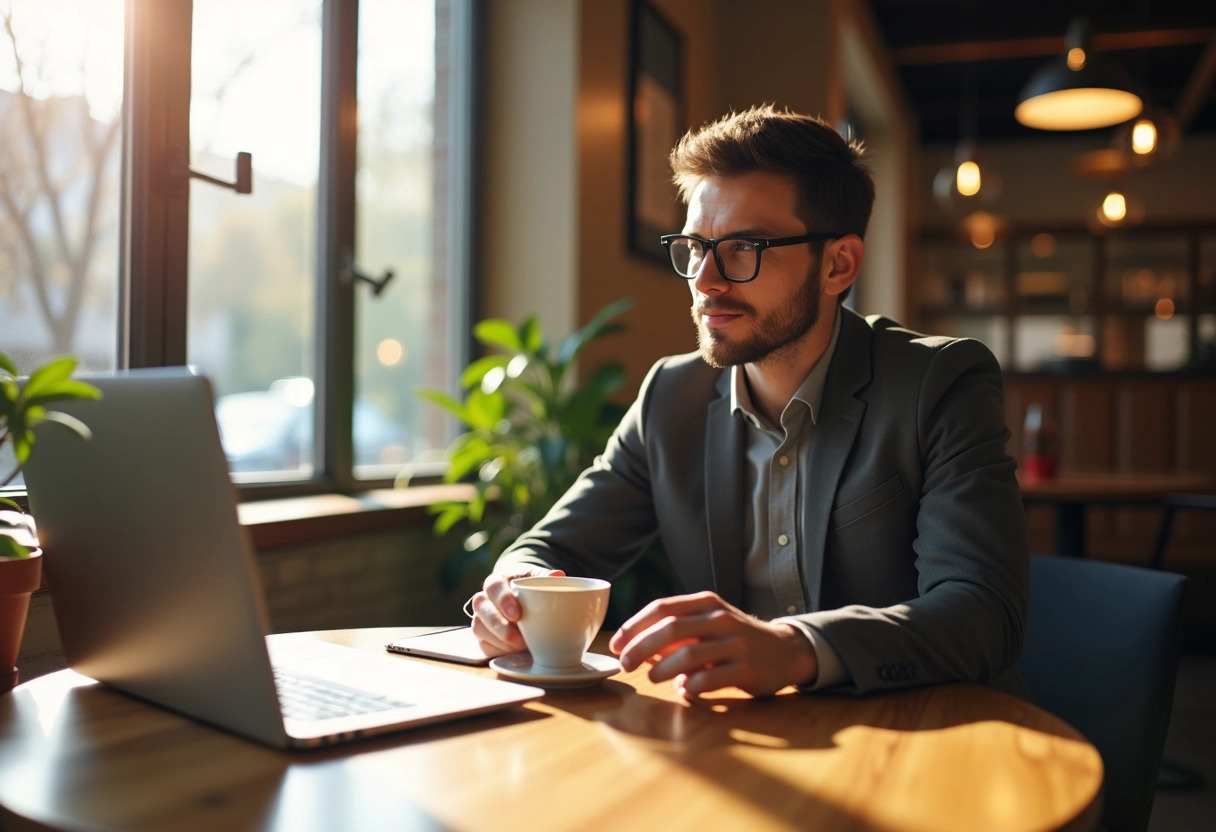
x=1117 y=209
x=1144 y=137
x=1114 y=207
x=966 y=184
x=967 y=178
x=1154 y=135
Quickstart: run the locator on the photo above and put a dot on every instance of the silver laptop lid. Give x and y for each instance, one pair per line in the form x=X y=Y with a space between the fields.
x=153 y=584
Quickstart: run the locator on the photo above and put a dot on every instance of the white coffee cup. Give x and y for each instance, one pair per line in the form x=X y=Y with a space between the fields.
x=559 y=617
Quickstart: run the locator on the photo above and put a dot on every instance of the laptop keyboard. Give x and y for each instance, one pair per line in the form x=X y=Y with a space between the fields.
x=305 y=697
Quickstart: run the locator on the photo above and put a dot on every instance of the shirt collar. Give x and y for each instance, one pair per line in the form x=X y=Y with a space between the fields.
x=810 y=392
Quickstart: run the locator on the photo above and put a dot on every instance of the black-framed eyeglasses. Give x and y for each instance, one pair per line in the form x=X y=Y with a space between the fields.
x=737 y=255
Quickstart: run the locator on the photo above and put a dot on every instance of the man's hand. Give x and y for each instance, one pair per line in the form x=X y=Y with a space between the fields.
x=705 y=644
x=496 y=611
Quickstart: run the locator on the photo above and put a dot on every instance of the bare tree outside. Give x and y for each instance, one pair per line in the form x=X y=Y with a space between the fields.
x=59 y=191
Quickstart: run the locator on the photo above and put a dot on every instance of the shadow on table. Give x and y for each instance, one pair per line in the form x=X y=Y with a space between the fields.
x=831 y=741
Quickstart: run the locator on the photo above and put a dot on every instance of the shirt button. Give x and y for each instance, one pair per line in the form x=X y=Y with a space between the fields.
x=784 y=460
x=791 y=609
x=782 y=539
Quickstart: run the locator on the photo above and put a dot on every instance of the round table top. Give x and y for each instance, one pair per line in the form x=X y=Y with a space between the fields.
x=628 y=754
x=1097 y=487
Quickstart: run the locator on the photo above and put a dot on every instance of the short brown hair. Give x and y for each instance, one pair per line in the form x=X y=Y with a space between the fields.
x=835 y=191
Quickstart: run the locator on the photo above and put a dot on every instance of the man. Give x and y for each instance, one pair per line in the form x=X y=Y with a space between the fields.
x=832 y=491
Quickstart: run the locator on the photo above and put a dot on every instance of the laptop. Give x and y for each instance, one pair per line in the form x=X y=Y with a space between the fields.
x=156 y=591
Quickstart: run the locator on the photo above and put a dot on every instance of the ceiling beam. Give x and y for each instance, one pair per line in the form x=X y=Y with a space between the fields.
x=1197 y=88
x=993 y=50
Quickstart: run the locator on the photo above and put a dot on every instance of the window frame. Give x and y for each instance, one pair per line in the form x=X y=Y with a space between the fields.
x=155 y=216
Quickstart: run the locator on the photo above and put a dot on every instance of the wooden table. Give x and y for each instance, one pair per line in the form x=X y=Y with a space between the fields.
x=627 y=755
x=1073 y=493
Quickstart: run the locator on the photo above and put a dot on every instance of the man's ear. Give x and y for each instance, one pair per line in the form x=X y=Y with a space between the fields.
x=843 y=258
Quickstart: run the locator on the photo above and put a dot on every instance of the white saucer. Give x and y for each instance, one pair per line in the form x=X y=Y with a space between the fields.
x=518 y=666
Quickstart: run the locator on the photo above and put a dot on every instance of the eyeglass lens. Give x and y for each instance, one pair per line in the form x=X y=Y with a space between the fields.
x=738 y=259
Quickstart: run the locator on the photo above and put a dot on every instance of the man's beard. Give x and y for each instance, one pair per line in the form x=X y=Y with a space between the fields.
x=778 y=330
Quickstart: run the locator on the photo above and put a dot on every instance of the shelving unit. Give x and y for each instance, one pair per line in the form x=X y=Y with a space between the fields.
x=1073 y=299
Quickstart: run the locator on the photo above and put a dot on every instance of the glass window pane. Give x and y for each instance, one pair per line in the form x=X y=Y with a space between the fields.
x=406 y=164
x=61 y=94
x=256 y=87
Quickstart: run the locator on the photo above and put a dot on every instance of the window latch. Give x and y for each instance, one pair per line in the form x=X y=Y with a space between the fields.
x=244 y=175
x=377 y=283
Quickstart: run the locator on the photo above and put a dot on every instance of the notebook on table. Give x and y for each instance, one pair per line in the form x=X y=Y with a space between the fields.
x=156 y=591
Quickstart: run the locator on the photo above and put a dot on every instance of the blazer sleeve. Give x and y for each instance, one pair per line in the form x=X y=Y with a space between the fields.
x=970 y=550
x=607 y=518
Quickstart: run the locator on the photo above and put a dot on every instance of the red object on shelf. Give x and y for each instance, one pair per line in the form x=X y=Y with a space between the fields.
x=1040 y=443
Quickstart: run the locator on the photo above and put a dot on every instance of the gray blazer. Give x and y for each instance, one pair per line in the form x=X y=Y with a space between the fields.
x=914 y=562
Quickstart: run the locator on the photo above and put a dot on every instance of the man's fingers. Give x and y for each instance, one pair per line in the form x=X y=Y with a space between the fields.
x=671 y=634
x=497 y=589
x=695 y=656
x=493 y=629
x=656 y=611
x=709 y=679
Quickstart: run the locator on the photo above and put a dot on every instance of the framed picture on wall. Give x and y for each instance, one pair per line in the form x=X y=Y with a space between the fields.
x=656 y=122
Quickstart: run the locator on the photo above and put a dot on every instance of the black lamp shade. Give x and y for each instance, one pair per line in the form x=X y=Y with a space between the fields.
x=1096 y=93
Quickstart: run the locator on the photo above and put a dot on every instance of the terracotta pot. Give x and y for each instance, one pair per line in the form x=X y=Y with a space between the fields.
x=18 y=580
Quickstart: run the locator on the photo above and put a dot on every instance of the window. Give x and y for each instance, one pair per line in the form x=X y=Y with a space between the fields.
x=357 y=116
x=61 y=82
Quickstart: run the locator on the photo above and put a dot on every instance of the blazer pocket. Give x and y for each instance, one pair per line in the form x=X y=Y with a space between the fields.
x=868 y=502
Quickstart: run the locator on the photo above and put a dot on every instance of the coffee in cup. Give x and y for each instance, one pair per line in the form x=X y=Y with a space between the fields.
x=559 y=617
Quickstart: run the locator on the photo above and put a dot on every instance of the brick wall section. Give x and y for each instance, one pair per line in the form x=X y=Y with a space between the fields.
x=382 y=579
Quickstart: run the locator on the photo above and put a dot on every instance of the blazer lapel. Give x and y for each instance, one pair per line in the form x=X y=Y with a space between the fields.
x=725 y=501
x=836 y=430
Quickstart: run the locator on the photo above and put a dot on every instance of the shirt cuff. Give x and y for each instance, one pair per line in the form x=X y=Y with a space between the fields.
x=831 y=669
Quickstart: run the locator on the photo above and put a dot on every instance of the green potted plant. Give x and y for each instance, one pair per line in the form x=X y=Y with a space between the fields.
x=23 y=409
x=531 y=429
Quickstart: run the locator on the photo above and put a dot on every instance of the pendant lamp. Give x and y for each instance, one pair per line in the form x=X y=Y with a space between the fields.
x=1078 y=90
x=1152 y=136
x=966 y=184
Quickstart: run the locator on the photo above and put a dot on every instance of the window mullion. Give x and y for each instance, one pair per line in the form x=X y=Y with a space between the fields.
x=156 y=157
x=335 y=319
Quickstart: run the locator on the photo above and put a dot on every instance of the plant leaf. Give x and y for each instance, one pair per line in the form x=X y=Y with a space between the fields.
x=70 y=422
x=530 y=336
x=597 y=327
x=485 y=410
x=445 y=401
x=475 y=372
x=63 y=390
x=10 y=548
x=6 y=364
x=49 y=375
x=496 y=332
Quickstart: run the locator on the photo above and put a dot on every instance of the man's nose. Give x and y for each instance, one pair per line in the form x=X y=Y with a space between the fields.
x=709 y=279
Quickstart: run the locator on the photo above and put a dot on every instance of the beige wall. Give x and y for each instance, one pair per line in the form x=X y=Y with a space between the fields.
x=529 y=188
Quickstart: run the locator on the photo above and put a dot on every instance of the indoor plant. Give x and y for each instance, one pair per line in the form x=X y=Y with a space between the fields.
x=531 y=428
x=22 y=410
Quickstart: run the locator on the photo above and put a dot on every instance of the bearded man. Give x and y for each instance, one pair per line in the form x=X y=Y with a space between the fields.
x=833 y=491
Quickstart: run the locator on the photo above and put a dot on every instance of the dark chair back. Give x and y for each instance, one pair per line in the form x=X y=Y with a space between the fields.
x=1101 y=653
